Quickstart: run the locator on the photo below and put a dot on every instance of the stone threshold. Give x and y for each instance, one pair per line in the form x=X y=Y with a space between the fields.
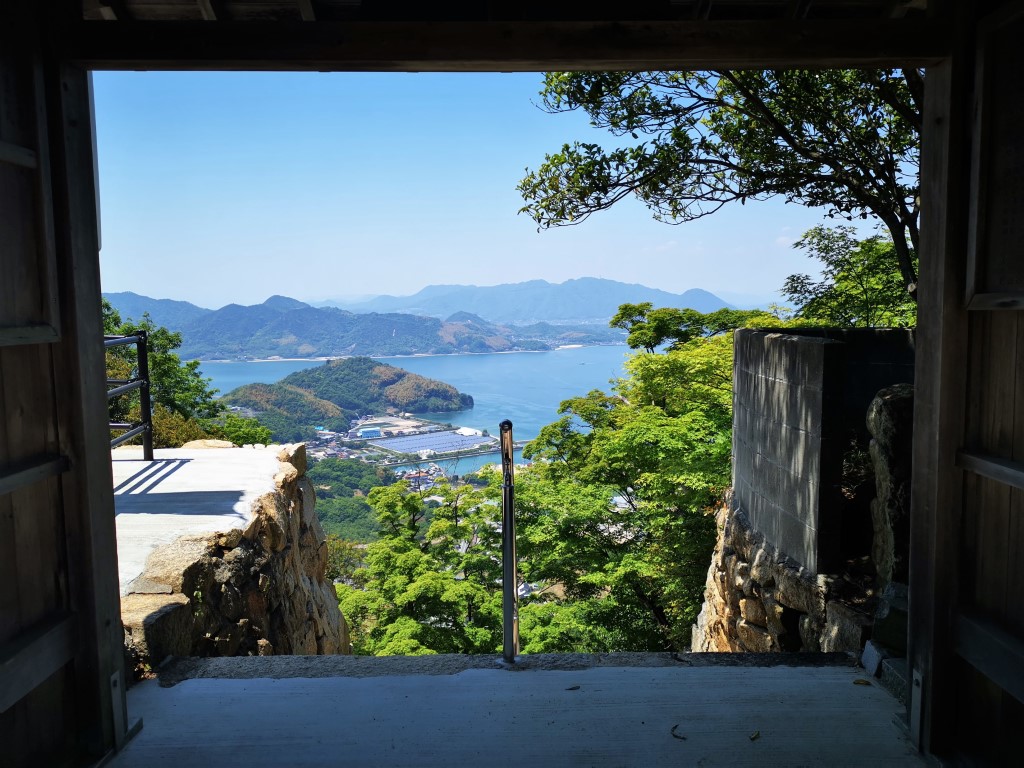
x=178 y=669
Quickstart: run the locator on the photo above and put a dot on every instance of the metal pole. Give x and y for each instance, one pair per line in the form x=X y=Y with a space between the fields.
x=144 y=395
x=510 y=579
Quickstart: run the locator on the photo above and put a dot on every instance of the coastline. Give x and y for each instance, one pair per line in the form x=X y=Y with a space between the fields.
x=398 y=357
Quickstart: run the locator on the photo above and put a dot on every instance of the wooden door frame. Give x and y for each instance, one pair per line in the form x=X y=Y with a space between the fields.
x=941 y=335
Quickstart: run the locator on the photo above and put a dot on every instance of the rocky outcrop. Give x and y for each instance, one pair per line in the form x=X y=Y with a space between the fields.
x=257 y=591
x=890 y=421
x=757 y=600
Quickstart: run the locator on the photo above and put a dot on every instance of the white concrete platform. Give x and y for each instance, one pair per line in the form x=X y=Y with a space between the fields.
x=183 y=491
x=607 y=716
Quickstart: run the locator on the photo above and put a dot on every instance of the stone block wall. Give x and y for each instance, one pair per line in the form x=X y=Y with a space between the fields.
x=800 y=400
x=799 y=559
x=258 y=591
x=787 y=441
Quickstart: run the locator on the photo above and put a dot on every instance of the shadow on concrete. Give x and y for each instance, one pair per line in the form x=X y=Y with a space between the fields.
x=149 y=475
x=180 y=503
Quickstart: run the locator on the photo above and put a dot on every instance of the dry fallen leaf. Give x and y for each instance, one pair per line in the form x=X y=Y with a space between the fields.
x=861 y=681
x=755 y=736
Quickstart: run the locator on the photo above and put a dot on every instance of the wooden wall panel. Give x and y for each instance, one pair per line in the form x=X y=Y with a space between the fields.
x=17 y=126
x=988 y=614
x=1002 y=226
x=991 y=431
x=79 y=366
x=41 y=741
x=39 y=711
x=29 y=433
x=988 y=721
x=1015 y=568
x=20 y=290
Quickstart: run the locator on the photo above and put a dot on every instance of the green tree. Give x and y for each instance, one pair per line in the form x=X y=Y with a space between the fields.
x=341 y=488
x=239 y=430
x=344 y=558
x=687 y=143
x=650 y=328
x=616 y=511
x=431 y=583
x=178 y=388
x=861 y=285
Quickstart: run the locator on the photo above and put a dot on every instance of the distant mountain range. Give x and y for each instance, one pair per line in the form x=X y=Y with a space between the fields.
x=284 y=327
x=583 y=300
x=440 y=319
x=166 y=312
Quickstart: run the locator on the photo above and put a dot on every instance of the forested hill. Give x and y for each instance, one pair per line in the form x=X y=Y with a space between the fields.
x=330 y=395
x=583 y=300
x=285 y=327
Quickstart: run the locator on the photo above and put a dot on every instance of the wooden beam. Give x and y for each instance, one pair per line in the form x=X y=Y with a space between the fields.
x=12 y=154
x=13 y=478
x=79 y=365
x=32 y=657
x=503 y=46
x=940 y=376
x=992 y=651
x=994 y=468
x=37 y=333
x=1012 y=301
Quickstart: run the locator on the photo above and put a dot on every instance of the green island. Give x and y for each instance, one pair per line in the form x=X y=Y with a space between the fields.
x=334 y=395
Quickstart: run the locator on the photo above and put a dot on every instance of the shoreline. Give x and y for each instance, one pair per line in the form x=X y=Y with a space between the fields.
x=401 y=357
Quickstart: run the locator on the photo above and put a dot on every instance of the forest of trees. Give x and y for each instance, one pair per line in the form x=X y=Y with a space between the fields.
x=342 y=486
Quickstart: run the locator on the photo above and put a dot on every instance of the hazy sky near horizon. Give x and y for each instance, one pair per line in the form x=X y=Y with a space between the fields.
x=230 y=187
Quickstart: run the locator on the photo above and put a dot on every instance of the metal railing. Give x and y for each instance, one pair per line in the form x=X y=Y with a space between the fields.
x=124 y=386
x=510 y=578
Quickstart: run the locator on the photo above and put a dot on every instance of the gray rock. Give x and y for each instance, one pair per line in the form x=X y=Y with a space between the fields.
x=872 y=657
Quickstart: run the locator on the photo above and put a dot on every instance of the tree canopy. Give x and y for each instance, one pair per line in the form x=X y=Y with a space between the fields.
x=860 y=283
x=650 y=328
x=185 y=406
x=179 y=387
x=687 y=143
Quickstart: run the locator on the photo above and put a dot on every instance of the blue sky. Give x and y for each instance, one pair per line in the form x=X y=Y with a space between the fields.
x=229 y=187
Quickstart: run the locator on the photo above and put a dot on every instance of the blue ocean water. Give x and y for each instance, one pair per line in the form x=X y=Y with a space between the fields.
x=524 y=387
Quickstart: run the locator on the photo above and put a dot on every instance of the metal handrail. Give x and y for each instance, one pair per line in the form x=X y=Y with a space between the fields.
x=510 y=578
x=141 y=382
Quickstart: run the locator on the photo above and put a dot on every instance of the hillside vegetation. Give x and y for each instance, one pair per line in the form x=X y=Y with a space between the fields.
x=332 y=394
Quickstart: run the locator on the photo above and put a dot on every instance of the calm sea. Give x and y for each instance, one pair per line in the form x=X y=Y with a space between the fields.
x=525 y=387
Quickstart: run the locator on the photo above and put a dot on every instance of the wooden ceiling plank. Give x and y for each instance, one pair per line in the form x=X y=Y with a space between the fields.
x=306 y=10
x=505 y=46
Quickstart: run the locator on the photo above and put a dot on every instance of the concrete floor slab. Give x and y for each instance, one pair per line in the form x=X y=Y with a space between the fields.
x=183 y=491
x=604 y=716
